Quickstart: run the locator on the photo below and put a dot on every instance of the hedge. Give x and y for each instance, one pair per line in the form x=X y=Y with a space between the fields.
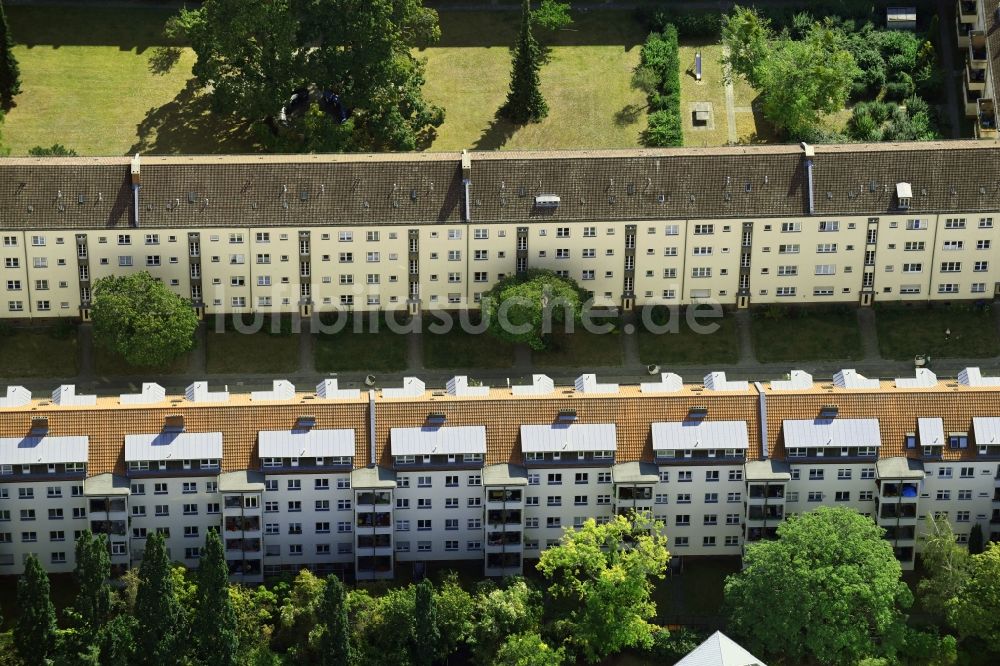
x=659 y=55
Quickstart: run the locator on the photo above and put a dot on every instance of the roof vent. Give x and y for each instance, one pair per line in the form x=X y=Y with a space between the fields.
x=328 y=390
x=828 y=411
x=173 y=423
x=65 y=396
x=17 y=396
x=547 y=201
x=459 y=386
x=437 y=418
x=151 y=394
x=697 y=412
x=588 y=384
x=567 y=414
x=39 y=425
x=282 y=389
x=540 y=385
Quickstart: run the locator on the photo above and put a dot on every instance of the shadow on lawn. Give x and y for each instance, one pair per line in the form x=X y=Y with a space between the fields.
x=187 y=124
x=499 y=28
x=496 y=135
x=128 y=28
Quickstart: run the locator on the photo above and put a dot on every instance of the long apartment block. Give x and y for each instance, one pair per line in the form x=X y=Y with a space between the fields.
x=320 y=233
x=365 y=482
x=977 y=29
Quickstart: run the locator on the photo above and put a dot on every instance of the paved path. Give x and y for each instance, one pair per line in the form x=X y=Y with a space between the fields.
x=743 y=330
x=948 y=47
x=415 y=353
x=730 y=105
x=869 y=334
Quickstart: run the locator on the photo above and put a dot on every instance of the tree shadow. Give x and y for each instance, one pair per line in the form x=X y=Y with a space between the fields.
x=163 y=59
x=496 y=135
x=629 y=114
x=187 y=124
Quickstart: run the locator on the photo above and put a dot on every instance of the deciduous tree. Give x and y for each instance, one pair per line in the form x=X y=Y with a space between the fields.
x=10 y=72
x=946 y=566
x=503 y=612
x=526 y=309
x=216 y=642
x=823 y=592
x=35 y=628
x=141 y=320
x=528 y=649
x=552 y=15
x=600 y=582
x=976 y=609
x=159 y=633
x=524 y=100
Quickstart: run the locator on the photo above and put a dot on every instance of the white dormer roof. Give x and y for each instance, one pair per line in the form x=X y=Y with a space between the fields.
x=924 y=379
x=65 y=396
x=850 y=379
x=798 y=380
x=198 y=392
x=540 y=385
x=719 y=650
x=328 y=390
x=412 y=388
x=931 y=431
x=904 y=191
x=151 y=394
x=459 y=386
x=669 y=383
x=588 y=384
x=282 y=389
x=973 y=377
x=17 y=396
x=716 y=381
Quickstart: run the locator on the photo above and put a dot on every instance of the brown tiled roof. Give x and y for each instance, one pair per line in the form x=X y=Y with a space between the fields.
x=315 y=190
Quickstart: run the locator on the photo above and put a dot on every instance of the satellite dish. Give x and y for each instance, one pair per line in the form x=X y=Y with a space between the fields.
x=369 y=380
x=652 y=369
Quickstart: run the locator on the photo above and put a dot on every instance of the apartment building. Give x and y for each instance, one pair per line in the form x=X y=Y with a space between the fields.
x=364 y=483
x=978 y=38
x=324 y=233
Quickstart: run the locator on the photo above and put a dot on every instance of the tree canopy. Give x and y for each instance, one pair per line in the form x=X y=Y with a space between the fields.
x=821 y=592
x=55 y=150
x=524 y=99
x=35 y=628
x=93 y=568
x=10 y=71
x=141 y=320
x=159 y=631
x=252 y=56
x=945 y=563
x=335 y=643
x=600 y=582
x=215 y=635
x=975 y=611
x=524 y=309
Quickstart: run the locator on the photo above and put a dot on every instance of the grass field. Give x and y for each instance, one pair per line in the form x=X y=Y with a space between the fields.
x=905 y=332
x=688 y=347
x=585 y=82
x=235 y=353
x=458 y=349
x=814 y=336
x=37 y=353
x=580 y=349
x=108 y=363
x=361 y=352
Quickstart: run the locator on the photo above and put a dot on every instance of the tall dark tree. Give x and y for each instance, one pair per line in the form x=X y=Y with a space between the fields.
x=93 y=568
x=214 y=625
x=335 y=644
x=976 y=544
x=35 y=629
x=524 y=101
x=10 y=73
x=157 y=610
x=426 y=632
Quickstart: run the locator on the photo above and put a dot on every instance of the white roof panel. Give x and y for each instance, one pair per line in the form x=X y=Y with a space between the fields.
x=569 y=436
x=924 y=379
x=174 y=446
x=540 y=385
x=719 y=650
x=798 y=380
x=306 y=443
x=412 y=388
x=43 y=450
x=931 y=432
x=669 y=383
x=328 y=390
x=974 y=377
x=986 y=430
x=848 y=378
x=459 y=386
x=700 y=434
x=17 y=396
x=151 y=394
x=820 y=433
x=442 y=440
x=281 y=389
x=588 y=384
x=716 y=381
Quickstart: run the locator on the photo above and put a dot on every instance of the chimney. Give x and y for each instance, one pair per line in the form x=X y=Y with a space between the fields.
x=809 y=153
x=136 y=186
x=467 y=184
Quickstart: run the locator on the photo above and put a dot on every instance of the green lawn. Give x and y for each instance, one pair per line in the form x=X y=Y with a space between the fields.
x=88 y=83
x=459 y=349
x=580 y=349
x=814 y=335
x=361 y=352
x=109 y=363
x=686 y=347
x=38 y=352
x=905 y=332
x=585 y=82
x=262 y=353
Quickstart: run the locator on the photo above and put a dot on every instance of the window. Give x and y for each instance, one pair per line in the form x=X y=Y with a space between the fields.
x=948 y=288
x=788 y=249
x=954 y=245
x=954 y=223
x=701 y=272
x=829 y=226
x=784 y=291
x=704 y=229
x=682 y=520
x=951 y=266
x=982 y=245
x=916 y=225
x=816 y=474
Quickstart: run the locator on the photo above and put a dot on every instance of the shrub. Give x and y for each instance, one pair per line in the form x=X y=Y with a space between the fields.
x=659 y=58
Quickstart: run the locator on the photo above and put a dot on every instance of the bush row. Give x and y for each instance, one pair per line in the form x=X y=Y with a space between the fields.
x=659 y=56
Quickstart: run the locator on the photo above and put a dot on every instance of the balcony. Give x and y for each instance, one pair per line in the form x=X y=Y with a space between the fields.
x=761 y=492
x=971 y=100
x=509 y=540
x=242 y=524
x=962 y=32
x=898 y=511
x=373 y=567
x=503 y=496
x=243 y=545
x=503 y=517
x=975 y=78
x=372 y=499
x=908 y=492
x=966 y=11
x=986 y=120
x=374 y=520
x=771 y=513
x=995 y=518
x=977 y=48
x=374 y=541
x=901 y=532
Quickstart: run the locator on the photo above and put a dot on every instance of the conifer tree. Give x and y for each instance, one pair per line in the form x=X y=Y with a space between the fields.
x=10 y=73
x=157 y=610
x=426 y=632
x=214 y=626
x=976 y=540
x=524 y=101
x=335 y=645
x=35 y=630
x=93 y=568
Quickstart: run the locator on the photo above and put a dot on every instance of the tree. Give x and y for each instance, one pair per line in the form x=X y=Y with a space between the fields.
x=515 y=609
x=454 y=608
x=523 y=309
x=214 y=623
x=335 y=644
x=426 y=634
x=141 y=320
x=384 y=626
x=976 y=544
x=552 y=15
x=299 y=611
x=746 y=35
x=159 y=634
x=528 y=649
x=92 y=571
x=822 y=592
x=946 y=565
x=524 y=100
x=55 y=150
x=976 y=609
x=10 y=72
x=35 y=628
x=600 y=584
